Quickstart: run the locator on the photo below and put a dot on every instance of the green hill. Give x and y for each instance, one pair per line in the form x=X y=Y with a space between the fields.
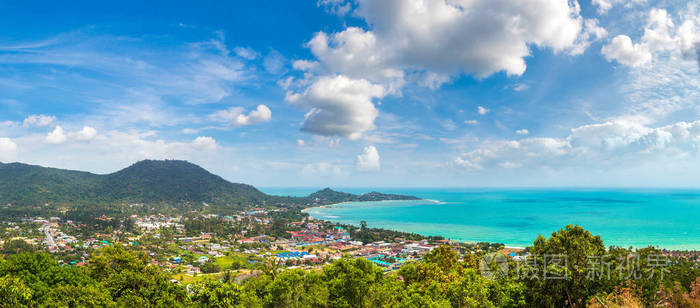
x=171 y=182
x=328 y=195
x=175 y=181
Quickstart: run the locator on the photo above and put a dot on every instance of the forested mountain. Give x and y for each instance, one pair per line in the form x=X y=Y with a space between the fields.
x=150 y=181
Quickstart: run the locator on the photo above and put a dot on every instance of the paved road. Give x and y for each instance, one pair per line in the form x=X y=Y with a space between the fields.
x=49 y=238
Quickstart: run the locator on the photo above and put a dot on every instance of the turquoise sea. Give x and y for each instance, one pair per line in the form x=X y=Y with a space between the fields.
x=667 y=218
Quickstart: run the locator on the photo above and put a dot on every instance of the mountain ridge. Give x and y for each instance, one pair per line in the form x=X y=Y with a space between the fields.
x=149 y=181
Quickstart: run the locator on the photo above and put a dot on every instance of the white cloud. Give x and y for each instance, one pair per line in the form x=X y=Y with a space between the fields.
x=322 y=169
x=448 y=124
x=337 y=7
x=205 y=143
x=592 y=32
x=235 y=116
x=521 y=87
x=482 y=111
x=113 y=150
x=274 y=62
x=338 y=106
x=228 y=115
x=368 y=160
x=38 y=120
x=133 y=84
x=522 y=132
x=301 y=142
x=602 y=146
x=625 y=52
x=85 y=134
x=605 y=5
x=8 y=149
x=261 y=114
x=473 y=37
x=429 y=42
x=246 y=53
x=471 y=122
x=56 y=136
x=509 y=165
x=661 y=37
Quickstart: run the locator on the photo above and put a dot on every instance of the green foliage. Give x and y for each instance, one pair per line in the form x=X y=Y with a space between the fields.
x=17 y=246
x=349 y=280
x=13 y=293
x=131 y=280
x=79 y=296
x=572 y=247
x=221 y=295
x=210 y=267
x=443 y=256
x=119 y=277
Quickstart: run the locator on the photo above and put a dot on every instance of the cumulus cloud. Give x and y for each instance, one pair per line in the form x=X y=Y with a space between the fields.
x=368 y=160
x=661 y=36
x=471 y=122
x=338 y=106
x=481 y=110
x=599 y=145
x=38 y=120
x=428 y=43
x=522 y=131
x=8 y=149
x=301 y=142
x=85 y=134
x=622 y=50
x=261 y=114
x=235 y=116
x=56 y=136
x=205 y=143
x=453 y=37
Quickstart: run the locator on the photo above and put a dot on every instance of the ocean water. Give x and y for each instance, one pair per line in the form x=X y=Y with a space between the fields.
x=666 y=218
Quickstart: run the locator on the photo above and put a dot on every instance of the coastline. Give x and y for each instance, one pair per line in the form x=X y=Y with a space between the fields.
x=669 y=247
x=305 y=210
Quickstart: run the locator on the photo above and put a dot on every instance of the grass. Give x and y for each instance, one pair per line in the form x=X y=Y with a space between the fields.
x=187 y=278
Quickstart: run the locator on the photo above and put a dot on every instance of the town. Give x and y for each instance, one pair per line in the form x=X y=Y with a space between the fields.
x=206 y=246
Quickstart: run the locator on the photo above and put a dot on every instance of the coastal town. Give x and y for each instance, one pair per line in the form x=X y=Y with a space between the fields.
x=207 y=246
x=241 y=243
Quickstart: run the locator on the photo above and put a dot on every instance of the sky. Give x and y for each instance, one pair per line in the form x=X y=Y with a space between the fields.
x=359 y=93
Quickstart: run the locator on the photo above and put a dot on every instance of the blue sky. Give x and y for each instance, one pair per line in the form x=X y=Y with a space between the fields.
x=359 y=93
